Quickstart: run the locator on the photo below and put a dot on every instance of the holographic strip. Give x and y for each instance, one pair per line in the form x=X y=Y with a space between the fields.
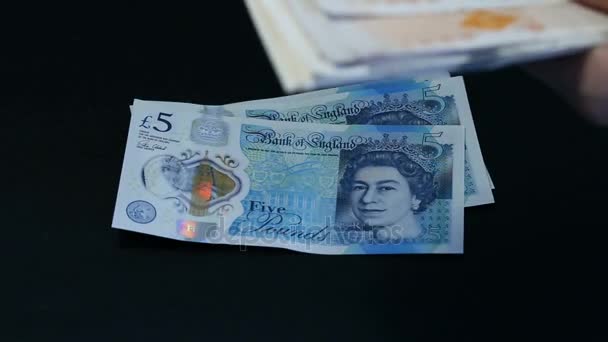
x=190 y=230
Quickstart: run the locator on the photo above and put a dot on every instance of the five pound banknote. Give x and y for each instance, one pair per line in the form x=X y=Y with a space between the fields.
x=317 y=188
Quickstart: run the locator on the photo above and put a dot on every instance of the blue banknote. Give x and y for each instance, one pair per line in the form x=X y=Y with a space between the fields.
x=405 y=102
x=326 y=189
x=296 y=100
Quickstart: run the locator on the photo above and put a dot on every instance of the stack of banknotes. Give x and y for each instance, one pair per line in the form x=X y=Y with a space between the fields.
x=324 y=43
x=371 y=168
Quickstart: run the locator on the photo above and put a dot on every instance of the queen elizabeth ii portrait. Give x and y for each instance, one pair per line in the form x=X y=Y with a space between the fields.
x=382 y=191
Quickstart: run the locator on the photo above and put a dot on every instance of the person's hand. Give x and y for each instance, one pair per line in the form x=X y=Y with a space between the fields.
x=580 y=79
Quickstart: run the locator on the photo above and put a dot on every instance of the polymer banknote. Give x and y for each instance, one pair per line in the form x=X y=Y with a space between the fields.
x=327 y=189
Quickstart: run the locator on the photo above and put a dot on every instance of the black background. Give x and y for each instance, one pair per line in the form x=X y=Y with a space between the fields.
x=532 y=260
